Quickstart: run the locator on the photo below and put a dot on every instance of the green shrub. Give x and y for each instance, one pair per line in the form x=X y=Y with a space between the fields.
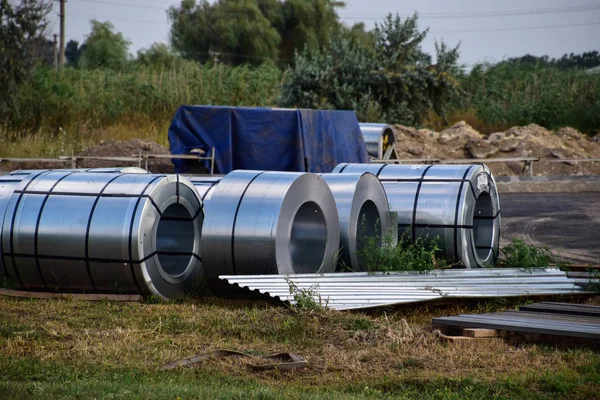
x=419 y=255
x=518 y=254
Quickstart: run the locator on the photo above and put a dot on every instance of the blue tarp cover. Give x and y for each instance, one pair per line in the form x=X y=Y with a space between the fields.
x=267 y=138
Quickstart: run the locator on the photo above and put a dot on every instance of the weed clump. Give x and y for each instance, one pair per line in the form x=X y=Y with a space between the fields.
x=304 y=299
x=421 y=255
x=518 y=254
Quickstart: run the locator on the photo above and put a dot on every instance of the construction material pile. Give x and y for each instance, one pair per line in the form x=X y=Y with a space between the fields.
x=461 y=141
x=126 y=231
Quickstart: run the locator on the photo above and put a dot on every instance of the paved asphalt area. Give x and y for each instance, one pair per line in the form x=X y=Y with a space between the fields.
x=567 y=223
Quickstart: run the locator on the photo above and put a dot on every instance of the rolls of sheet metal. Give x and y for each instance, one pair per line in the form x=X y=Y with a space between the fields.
x=116 y=170
x=269 y=223
x=103 y=232
x=205 y=186
x=364 y=215
x=456 y=204
x=378 y=138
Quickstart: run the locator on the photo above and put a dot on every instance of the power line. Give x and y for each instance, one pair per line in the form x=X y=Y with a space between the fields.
x=487 y=14
x=123 y=4
x=518 y=29
x=119 y=19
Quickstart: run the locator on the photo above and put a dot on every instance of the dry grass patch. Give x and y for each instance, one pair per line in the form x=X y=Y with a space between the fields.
x=344 y=349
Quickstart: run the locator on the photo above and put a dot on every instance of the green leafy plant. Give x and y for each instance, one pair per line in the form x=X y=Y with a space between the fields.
x=594 y=281
x=5 y=282
x=518 y=254
x=419 y=255
x=304 y=298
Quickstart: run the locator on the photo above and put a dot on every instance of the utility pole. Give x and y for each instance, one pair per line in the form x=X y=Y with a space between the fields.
x=55 y=47
x=62 y=33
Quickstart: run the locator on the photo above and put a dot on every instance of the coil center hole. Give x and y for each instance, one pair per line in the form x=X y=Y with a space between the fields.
x=368 y=229
x=308 y=239
x=175 y=239
x=483 y=225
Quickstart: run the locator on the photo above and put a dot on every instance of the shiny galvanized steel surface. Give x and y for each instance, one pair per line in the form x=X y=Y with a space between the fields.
x=456 y=204
x=103 y=232
x=364 y=215
x=115 y=170
x=377 y=137
x=205 y=186
x=344 y=291
x=261 y=222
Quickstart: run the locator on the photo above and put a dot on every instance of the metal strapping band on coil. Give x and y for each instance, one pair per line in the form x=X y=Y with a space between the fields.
x=456 y=204
x=364 y=215
x=269 y=223
x=103 y=232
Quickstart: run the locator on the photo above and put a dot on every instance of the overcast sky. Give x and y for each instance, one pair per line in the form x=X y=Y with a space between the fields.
x=487 y=30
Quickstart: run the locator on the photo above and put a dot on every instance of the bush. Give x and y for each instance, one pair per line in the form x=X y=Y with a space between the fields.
x=420 y=255
x=398 y=83
x=518 y=254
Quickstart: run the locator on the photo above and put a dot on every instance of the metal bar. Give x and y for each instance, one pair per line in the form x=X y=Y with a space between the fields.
x=537 y=324
x=212 y=162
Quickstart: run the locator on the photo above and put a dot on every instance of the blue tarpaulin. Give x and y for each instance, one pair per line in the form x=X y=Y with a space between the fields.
x=267 y=138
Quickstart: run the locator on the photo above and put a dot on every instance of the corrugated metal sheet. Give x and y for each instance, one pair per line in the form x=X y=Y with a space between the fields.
x=346 y=291
x=553 y=319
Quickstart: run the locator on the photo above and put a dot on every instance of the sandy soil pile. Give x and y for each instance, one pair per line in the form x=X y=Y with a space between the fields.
x=462 y=141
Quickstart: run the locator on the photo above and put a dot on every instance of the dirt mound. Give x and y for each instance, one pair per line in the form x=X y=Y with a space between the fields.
x=131 y=148
x=461 y=141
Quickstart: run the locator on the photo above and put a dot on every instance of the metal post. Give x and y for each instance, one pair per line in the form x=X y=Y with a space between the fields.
x=212 y=162
x=140 y=159
x=146 y=163
x=62 y=32
x=531 y=168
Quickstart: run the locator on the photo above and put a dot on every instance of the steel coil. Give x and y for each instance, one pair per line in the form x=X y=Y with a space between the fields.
x=269 y=223
x=378 y=138
x=103 y=232
x=456 y=204
x=205 y=186
x=364 y=214
x=116 y=170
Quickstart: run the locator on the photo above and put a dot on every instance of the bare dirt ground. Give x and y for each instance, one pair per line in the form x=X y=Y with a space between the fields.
x=131 y=148
x=461 y=141
x=109 y=148
x=567 y=223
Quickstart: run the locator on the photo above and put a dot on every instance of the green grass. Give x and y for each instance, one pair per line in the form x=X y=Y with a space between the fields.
x=506 y=95
x=71 y=349
x=64 y=112
x=98 y=98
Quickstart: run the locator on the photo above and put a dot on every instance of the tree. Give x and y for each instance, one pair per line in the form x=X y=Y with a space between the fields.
x=158 y=55
x=307 y=24
x=243 y=34
x=397 y=83
x=191 y=29
x=398 y=42
x=22 y=29
x=73 y=52
x=359 y=36
x=247 y=31
x=104 y=48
